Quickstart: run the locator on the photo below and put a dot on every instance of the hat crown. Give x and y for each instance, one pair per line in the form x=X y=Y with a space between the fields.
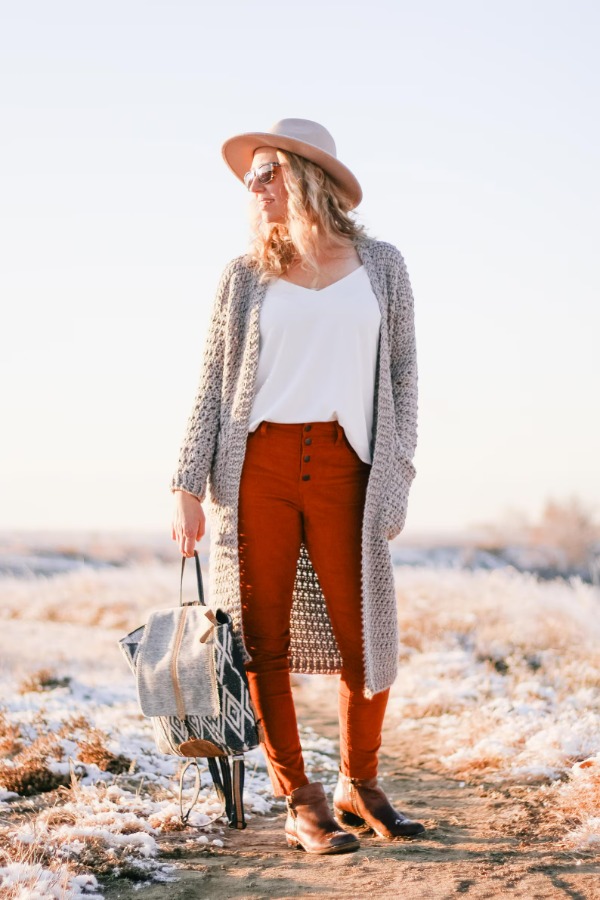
x=308 y=132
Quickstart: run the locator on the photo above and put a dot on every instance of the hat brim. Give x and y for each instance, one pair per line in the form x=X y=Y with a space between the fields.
x=238 y=152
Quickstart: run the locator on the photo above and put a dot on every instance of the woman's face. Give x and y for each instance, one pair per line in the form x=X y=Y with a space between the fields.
x=270 y=198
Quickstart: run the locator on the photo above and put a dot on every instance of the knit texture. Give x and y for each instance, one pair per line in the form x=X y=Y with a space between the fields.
x=214 y=445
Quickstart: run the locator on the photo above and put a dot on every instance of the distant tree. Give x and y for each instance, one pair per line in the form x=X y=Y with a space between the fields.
x=568 y=529
x=570 y=526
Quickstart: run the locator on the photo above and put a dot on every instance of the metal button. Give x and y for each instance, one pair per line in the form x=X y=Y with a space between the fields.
x=307 y=427
x=308 y=440
x=307 y=459
x=306 y=478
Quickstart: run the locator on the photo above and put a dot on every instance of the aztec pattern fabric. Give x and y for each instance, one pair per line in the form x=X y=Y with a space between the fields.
x=213 y=450
x=230 y=732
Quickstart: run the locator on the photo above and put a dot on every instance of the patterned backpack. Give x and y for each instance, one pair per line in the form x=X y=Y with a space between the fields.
x=192 y=684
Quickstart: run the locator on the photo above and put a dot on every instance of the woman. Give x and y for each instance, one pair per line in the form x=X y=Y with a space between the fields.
x=304 y=427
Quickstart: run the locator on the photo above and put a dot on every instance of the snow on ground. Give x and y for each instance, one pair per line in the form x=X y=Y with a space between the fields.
x=70 y=716
x=503 y=668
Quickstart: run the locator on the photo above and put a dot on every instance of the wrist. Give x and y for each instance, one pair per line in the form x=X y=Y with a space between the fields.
x=187 y=494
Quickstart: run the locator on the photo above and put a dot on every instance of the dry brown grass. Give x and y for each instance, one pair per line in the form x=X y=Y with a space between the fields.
x=107 y=598
x=575 y=804
x=10 y=736
x=42 y=680
x=93 y=750
x=28 y=772
x=26 y=768
x=42 y=875
x=97 y=854
x=505 y=669
x=82 y=832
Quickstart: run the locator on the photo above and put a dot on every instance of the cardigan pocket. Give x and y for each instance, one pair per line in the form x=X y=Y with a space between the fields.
x=219 y=468
x=395 y=505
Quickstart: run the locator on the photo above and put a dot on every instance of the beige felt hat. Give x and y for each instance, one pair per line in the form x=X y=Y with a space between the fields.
x=301 y=136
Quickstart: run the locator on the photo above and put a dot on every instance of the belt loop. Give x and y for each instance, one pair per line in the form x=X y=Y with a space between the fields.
x=339 y=432
x=263 y=427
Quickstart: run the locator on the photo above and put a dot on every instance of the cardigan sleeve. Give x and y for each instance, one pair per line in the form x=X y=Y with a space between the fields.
x=197 y=448
x=403 y=354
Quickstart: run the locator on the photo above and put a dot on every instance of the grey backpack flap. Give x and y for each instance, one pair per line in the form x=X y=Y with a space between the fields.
x=192 y=684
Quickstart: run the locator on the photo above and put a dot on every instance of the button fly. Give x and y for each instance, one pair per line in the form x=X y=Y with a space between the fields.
x=307 y=427
x=306 y=478
x=307 y=459
x=308 y=440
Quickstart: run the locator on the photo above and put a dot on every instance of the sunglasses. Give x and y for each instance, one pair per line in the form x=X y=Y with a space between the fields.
x=264 y=173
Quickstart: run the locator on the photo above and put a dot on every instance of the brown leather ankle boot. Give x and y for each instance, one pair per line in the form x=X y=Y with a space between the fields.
x=362 y=804
x=310 y=825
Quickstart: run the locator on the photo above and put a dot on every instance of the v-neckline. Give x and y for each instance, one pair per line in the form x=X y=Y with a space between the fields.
x=327 y=286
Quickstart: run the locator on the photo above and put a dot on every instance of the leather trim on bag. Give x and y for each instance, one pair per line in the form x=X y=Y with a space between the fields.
x=174 y=675
x=200 y=747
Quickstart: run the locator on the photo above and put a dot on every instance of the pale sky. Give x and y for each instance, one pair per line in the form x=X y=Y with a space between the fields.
x=473 y=129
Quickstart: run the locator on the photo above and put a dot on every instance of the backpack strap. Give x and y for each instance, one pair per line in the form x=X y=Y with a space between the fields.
x=222 y=787
x=238 y=819
x=233 y=788
x=201 y=599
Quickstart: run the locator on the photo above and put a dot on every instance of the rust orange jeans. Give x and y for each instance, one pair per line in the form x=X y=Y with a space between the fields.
x=304 y=483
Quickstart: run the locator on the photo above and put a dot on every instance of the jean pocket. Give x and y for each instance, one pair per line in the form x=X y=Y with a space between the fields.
x=351 y=455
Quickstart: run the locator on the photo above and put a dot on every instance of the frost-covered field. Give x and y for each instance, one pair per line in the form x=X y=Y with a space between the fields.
x=503 y=670
x=69 y=723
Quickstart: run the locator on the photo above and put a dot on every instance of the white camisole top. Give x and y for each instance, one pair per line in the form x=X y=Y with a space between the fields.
x=318 y=356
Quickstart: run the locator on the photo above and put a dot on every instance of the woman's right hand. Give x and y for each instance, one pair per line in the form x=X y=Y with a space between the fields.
x=189 y=522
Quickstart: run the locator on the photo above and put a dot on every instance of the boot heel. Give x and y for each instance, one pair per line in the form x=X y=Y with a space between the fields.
x=294 y=843
x=349 y=819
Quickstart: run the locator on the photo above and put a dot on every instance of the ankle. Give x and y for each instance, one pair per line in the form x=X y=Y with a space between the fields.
x=307 y=794
x=369 y=780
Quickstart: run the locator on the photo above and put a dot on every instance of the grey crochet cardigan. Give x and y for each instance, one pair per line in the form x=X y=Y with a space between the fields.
x=212 y=455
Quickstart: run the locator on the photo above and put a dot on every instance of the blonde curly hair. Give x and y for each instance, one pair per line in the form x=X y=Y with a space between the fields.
x=318 y=212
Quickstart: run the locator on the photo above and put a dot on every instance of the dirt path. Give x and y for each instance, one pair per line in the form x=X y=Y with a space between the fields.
x=481 y=842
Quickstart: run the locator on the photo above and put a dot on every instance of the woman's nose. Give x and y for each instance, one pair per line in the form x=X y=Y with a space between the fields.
x=255 y=186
